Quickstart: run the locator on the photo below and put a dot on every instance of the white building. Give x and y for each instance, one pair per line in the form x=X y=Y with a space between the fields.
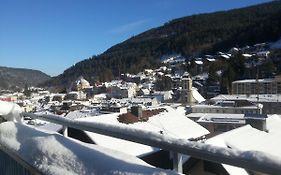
x=125 y=90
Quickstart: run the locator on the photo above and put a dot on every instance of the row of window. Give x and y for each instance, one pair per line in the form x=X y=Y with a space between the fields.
x=235 y=111
x=252 y=88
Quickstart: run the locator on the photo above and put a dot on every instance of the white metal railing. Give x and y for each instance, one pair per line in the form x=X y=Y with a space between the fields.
x=244 y=159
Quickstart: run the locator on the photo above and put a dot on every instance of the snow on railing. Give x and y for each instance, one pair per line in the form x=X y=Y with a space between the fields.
x=251 y=160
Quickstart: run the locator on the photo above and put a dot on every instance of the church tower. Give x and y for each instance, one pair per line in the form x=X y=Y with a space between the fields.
x=186 y=95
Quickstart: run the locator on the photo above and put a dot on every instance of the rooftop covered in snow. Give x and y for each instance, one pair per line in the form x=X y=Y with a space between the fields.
x=247 y=138
x=252 y=98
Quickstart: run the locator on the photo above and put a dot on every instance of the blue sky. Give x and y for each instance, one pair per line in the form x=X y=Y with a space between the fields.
x=52 y=35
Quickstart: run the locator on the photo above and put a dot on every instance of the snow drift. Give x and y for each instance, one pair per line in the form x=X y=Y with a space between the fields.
x=10 y=111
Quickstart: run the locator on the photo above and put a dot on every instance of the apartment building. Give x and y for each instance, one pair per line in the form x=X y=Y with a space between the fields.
x=260 y=86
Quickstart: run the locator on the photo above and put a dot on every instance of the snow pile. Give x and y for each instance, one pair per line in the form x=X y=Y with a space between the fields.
x=10 y=111
x=273 y=124
x=54 y=154
x=247 y=138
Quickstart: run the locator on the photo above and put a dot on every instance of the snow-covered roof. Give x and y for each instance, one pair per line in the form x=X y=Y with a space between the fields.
x=81 y=114
x=74 y=92
x=199 y=62
x=224 y=107
x=145 y=91
x=57 y=95
x=209 y=56
x=252 y=98
x=197 y=96
x=112 y=83
x=247 y=55
x=260 y=44
x=171 y=122
x=267 y=80
x=235 y=49
x=232 y=170
x=137 y=100
x=225 y=56
x=101 y=96
x=218 y=118
x=82 y=81
x=211 y=59
x=202 y=76
x=263 y=53
x=54 y=154
x=175 y=58
x=43 y=125
x=247 y=138
x=160 y=73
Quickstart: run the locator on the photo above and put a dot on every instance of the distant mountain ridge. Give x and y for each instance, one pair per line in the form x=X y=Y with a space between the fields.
x=189 y=36
x=13 y=78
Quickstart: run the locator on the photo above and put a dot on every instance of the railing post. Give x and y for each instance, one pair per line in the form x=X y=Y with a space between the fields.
x=64 y=131
x=177 y=162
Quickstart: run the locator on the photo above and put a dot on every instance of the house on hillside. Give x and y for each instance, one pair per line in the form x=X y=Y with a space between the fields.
x=80 y=84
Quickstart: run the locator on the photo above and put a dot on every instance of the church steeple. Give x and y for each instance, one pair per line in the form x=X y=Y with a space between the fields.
x=187 y=89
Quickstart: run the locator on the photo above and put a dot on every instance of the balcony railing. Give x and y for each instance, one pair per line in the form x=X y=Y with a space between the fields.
x=247 y=160
x=203 y=151
x=11 y=163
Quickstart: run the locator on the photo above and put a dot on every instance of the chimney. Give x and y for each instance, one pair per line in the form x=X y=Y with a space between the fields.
x=257 y=121
x=137 y=111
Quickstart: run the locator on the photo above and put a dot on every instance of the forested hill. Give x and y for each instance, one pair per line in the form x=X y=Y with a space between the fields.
x=18 y=78
x=190 y=36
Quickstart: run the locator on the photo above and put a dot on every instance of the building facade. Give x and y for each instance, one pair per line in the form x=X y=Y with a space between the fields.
x=260 y=86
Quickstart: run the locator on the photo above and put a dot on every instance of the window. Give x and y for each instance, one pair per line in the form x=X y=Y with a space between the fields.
x=220 y=128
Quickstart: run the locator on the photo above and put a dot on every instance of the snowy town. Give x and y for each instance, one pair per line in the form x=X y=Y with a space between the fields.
x=158 y=87
x=246 y=120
